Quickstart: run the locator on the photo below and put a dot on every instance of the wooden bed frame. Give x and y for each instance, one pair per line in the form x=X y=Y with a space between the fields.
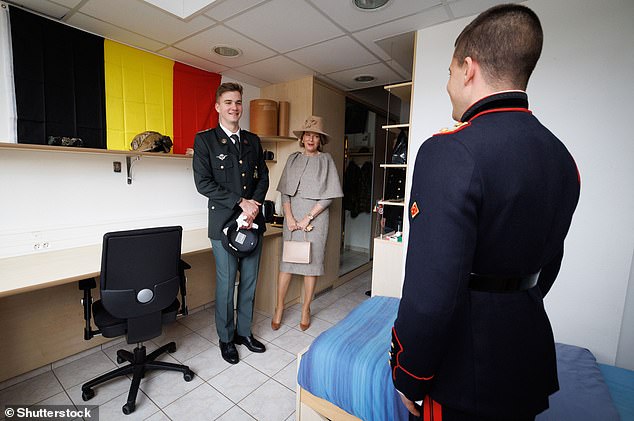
x=312 y=408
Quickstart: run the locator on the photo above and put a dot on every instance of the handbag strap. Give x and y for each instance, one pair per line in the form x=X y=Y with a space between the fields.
x=298 y=230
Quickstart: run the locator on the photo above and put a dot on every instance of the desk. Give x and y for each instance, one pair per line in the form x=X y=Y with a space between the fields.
x=41 y=318
x=46 y=269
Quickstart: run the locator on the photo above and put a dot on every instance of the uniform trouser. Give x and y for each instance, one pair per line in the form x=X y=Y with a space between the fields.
x=227 y=266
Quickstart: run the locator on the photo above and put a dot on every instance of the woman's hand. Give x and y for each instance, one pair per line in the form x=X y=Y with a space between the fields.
x=301 y=225
x=291 y=223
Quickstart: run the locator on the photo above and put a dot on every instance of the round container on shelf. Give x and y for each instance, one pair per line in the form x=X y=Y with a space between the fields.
x=263 y=117
x=283 y=114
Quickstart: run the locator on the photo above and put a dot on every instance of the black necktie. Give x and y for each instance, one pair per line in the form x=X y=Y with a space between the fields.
x=236 y=141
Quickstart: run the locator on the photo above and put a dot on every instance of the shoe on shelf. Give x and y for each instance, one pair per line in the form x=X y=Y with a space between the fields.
x=250 y=342
x=229 y=352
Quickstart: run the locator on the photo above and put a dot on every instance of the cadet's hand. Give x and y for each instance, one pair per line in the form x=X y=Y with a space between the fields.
x=410 y=405
x=248 y=221
x=250 y=207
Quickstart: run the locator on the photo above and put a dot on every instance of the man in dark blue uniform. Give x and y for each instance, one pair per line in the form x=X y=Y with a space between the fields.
x=491 y=203
x=229 y=169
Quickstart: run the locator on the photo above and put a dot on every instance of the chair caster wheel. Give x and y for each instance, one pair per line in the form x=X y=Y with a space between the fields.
x=87 y=394
x=171 y=348
x=120 y=360
x=188 y=376
x=128 y=408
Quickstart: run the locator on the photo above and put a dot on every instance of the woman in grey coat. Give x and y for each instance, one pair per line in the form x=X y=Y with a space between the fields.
x=308 y=184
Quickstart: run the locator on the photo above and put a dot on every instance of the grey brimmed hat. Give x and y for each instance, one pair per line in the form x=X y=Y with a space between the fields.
x=313 y=124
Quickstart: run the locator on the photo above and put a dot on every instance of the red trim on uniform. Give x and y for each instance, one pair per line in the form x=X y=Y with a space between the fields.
x=500 y=110
x=432 y=410
x=398 y=364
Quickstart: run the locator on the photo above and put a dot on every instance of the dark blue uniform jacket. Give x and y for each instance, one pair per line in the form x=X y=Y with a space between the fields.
x=495 y=197
x=224 y=175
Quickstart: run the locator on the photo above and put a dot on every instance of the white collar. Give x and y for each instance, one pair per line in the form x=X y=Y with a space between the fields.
x=228 y=132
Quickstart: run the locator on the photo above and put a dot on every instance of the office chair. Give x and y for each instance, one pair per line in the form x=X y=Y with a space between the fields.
x=141 y=274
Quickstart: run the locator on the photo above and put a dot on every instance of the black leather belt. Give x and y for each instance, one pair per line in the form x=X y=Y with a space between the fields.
x=500 y=284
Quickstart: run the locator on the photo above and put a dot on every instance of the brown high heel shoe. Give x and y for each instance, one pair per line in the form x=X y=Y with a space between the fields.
x=305 y=326
x=276 y=325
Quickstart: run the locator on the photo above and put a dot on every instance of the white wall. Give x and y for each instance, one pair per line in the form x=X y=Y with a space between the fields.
x=582 y=91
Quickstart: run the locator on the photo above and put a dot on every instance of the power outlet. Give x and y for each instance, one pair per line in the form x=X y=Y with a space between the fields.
x=42 y=245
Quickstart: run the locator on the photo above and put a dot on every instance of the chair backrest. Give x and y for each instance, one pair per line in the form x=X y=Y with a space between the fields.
x=140 y=277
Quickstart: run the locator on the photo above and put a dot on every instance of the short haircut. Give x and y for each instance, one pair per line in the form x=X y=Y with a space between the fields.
x=506 y=41
x=228 y=87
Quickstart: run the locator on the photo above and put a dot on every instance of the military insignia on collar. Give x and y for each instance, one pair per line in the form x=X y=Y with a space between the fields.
x=222 y=156
x=223 y=140
x=413 y=210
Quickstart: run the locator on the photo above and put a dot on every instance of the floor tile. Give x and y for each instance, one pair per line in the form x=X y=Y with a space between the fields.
x=171 y=332
x=168 y=387
x=238 y=381
x=112 y=410
x=31 y=391
x=84 y=369
x=208 y=363
x=190 y=345
x=234 y=414
x=292 y=317
x=270 y=402
x=317 y=326
x=197 y=320
x=293 y=341
x=159 y=416
x=288 y=376
x=202 y=403
x=337 y=311
x=271 y=361
x=263 y=330
x=209 y=333
x=61 y=398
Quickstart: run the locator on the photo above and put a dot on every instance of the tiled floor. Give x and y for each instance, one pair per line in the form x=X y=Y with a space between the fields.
x=260 y=387
x=350 y=260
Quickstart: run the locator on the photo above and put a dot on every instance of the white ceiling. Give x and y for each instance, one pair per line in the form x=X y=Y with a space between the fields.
x=281 y=40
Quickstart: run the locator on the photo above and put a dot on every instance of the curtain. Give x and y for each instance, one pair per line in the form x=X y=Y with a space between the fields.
x=8 y=113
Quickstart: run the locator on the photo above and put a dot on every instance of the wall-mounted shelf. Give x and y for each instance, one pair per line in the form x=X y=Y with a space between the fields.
x=401 y=90
x=278 y=139
x=392 y=202
x=130 y=156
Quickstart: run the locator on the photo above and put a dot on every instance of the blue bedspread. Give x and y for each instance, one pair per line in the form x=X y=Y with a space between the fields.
x=347 y=365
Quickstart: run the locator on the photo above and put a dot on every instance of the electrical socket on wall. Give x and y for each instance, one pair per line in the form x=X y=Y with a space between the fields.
x=42 y=245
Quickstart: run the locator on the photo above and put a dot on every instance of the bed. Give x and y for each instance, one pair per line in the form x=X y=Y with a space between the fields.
x=344 y=375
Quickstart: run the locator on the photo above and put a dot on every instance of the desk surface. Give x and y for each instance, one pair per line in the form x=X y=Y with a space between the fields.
x=45 y=269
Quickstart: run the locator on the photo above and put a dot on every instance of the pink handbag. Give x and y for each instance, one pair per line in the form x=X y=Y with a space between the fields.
x=296 y=251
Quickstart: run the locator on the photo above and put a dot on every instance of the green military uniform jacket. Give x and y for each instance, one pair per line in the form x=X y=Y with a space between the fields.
x=225 y=176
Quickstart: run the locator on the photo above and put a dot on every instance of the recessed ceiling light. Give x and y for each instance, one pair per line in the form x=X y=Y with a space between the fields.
x=226 y=51
x=364 y=78
x=370 y=4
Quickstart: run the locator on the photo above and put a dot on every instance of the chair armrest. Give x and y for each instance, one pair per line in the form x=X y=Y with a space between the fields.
x=182 y=267
x=87 y=285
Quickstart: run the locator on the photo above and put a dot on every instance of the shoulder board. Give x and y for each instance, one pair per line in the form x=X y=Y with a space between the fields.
x=206 y=130
x=456 y=128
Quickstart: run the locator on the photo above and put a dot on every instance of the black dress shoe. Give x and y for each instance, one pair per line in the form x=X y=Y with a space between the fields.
x=250 y=342
x=229 y=352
